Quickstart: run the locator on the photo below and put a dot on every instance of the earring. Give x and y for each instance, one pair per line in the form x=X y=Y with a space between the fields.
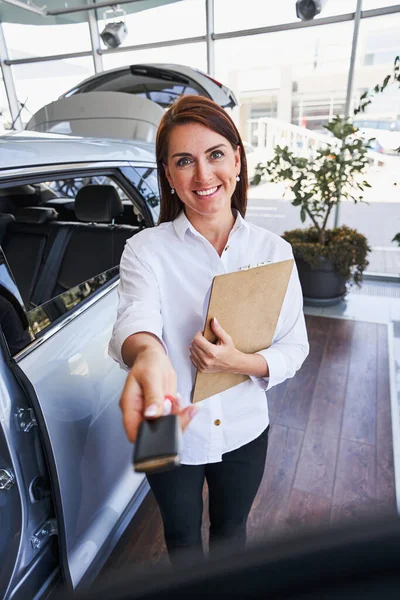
x=172 y=190
x=237 y=178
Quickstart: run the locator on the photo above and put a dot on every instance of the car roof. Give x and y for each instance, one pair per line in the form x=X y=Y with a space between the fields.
x=26 y=149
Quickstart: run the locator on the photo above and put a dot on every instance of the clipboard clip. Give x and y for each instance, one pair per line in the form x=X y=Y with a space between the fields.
x=260 y=264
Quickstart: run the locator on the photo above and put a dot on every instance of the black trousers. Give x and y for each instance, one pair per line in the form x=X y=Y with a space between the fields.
x=232 y=485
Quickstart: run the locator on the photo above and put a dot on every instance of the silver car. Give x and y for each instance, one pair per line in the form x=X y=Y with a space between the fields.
x=67 y=488
x=127 y=102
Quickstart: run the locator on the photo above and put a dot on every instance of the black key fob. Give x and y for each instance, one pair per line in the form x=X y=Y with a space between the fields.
x=157 y=445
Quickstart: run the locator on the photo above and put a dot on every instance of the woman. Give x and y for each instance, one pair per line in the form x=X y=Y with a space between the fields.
x=166 y=273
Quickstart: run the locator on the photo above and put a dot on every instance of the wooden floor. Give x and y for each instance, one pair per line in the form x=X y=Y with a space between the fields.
x=330 y=454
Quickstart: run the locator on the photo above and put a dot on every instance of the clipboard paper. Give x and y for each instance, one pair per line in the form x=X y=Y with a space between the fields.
x=247 y=304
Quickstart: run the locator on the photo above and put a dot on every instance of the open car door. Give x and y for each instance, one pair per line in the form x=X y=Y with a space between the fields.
x=63 y=451
x=28 y=541
x=100 y=114
x=127 y=102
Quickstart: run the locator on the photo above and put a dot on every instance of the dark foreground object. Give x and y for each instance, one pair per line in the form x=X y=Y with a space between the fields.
x=357 y=562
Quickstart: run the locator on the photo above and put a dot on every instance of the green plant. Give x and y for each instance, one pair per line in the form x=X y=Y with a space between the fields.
x=345 y=247
x=318 y=183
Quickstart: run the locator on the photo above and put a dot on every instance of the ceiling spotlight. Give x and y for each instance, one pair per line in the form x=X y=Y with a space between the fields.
x=308 y=9
x=114 y=32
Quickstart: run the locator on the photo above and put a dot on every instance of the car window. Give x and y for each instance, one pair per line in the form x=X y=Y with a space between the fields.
x=143 y=83
x=146 y=181
x=51 y=312
x=63 y=240
x=167 y=96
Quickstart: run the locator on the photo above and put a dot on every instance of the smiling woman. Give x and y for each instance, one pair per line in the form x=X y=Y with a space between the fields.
x=202 y=134
x=204 y=175
x=166 y=274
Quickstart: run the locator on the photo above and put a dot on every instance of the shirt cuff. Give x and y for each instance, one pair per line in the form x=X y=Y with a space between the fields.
x=276 y=365
x=261 y=382
x=123 y=332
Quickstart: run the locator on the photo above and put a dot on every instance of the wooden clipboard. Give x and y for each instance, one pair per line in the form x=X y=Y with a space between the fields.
x=247 y=304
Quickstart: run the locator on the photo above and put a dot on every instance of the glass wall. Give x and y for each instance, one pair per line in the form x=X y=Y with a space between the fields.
x=192 y=55
x=297 y=76
x=379 y=220
x=5 y=116
x=371 y=4
x=289 y=84
x=28 y=41
x=173 y=21
x=231 y=16
x=37 y=84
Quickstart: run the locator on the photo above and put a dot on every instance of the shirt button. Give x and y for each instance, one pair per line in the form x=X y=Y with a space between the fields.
x=226 y=247
x=217 y=422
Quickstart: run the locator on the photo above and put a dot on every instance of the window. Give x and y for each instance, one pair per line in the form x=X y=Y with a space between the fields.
x=145 y=179
x=143 y=82
x=27 y=41
x=231 y=16
x=175 y=20
x=192 y=55
x=37 y=84
x=288 y=83
x=42 y=317
x=64 y=239
x=378 y=220
x=5 y=116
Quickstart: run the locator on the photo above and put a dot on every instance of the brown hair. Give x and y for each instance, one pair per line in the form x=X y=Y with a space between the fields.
x=197 y=109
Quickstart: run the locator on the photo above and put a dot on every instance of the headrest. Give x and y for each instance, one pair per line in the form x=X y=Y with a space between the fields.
x=98 y=204
x=36 y=214
x=6 y=218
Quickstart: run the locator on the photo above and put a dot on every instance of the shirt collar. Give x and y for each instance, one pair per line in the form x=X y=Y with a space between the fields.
x=182 y=224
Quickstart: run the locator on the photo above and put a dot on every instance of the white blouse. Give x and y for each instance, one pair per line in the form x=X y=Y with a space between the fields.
x=166 y=274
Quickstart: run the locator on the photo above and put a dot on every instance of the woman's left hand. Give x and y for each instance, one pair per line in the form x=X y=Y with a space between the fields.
x=211 y=358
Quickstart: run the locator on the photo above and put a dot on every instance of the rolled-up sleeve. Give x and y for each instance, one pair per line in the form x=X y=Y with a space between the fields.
x=139 y=303
x=290 y=345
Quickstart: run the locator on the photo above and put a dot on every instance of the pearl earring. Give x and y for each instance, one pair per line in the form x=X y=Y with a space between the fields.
x=172 y=190
x=237 y=178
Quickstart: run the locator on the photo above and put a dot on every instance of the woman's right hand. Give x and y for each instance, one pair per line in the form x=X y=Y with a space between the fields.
x=149 y=381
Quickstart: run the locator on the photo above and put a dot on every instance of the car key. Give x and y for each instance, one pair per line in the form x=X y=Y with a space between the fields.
x=157 y=445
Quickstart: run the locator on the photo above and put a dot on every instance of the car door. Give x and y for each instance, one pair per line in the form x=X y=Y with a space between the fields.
x=78 y=388
x=126 y=103
x=72 y=388
x=28 y=541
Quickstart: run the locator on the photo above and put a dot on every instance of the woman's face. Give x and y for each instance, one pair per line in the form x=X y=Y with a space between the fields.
x=202 y=167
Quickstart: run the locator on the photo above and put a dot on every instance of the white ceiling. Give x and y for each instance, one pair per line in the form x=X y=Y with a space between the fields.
x=14 y=14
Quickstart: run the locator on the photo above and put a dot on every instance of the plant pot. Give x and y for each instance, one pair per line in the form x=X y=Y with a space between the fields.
x=322 y=285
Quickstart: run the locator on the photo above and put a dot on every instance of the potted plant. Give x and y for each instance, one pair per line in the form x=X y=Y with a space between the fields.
x=327 y=258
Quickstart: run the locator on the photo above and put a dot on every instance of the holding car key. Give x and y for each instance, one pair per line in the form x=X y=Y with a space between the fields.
x=165 y=276
x=157 y=446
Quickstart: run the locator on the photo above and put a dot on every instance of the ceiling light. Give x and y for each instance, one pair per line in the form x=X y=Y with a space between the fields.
x=114 y=32
x=308 y=9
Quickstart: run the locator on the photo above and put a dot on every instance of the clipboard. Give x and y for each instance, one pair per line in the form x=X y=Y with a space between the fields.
x=247 y=304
